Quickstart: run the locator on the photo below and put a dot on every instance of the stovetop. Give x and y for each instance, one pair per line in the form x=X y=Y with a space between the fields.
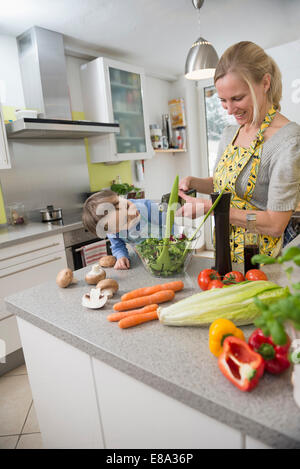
x=68 y=217
x=35 y=228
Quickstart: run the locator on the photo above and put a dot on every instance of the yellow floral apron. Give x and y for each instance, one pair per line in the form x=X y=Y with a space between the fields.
x=231 y=164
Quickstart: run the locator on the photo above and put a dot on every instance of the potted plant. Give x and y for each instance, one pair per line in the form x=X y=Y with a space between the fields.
x=128 y=191
x=282 y=318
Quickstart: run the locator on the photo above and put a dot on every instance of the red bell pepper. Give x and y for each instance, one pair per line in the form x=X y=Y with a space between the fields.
x=276 y=357
x=240 y=364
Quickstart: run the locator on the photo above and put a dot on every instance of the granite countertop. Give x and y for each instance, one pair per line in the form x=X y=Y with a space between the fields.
x=175 y=361
x=12 y=235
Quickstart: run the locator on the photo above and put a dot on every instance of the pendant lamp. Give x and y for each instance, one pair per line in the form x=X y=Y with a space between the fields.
x=202 y=58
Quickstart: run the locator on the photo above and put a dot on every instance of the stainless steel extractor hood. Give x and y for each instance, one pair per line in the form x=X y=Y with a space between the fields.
x=52 y=128
x=45 y=86
x=44 y=73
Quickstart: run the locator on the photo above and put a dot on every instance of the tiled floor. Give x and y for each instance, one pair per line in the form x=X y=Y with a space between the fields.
x=19 y=427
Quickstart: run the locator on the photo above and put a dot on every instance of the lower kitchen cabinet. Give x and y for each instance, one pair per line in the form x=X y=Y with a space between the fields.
x=9 y=338
x=24 y=266
x=135 y=415
x=63 y=391
x=83 y=403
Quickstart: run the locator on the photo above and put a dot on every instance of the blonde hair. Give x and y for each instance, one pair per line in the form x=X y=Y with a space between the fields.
x=90 y=218
x=251 y=63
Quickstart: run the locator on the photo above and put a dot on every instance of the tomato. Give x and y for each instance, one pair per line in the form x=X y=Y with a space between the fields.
x=215 y=284
x=255 y=274
x=206 y=276
x=233 y=277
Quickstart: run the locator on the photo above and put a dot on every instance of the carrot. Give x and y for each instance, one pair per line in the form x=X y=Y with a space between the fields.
x=137 y=319
x=175 y=286
x=159 y=297
x=118 y=316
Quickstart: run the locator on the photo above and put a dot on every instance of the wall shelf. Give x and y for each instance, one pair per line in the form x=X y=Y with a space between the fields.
x=171 y=150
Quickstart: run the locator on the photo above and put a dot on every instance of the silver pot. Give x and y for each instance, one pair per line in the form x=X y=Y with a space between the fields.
x=51 y=214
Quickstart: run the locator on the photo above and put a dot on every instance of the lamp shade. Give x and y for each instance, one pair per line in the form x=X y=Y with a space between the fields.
x=201 y=61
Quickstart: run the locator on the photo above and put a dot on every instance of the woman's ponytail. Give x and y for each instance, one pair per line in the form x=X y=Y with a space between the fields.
x=275 y=91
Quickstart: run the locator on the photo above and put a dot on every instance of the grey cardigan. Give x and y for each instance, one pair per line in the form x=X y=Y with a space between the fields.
x=278 y=182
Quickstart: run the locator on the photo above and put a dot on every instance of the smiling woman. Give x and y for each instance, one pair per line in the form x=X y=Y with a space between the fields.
x=258 y=160
x=257 y=81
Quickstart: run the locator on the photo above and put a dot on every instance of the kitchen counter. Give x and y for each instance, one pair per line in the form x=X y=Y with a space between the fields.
x=12 y=235
x=174 y=361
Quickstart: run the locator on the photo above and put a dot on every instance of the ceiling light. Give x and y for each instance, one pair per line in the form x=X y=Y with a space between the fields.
x=202 y=58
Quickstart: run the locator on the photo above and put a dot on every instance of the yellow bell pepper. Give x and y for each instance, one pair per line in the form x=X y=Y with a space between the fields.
x=218 y=331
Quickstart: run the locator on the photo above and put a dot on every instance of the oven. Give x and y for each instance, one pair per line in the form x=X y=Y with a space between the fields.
x=78 y=241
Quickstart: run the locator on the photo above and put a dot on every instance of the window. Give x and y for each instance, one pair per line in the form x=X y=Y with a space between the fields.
x=216 y=120
x=213 y=119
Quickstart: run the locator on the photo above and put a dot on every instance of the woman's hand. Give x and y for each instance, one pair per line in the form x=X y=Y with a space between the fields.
x=185 y=183
x=122 y=264
x=194 y=207
x=201 y=185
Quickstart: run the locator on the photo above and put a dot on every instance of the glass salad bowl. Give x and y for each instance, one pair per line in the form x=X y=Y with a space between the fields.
x=166 y=258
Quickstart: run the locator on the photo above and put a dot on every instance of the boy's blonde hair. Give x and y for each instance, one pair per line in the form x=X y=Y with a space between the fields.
x=251 y=63
x=90 y=219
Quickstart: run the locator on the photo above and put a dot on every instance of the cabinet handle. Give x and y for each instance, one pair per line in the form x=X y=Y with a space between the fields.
x=6 y=151
x=30 y=252
x=31 y=267
x=87 y=245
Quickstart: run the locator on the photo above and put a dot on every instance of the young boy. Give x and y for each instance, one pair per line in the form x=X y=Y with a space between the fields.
x=122 y=220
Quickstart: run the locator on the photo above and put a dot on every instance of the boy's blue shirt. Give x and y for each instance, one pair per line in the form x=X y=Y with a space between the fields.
x=150 y=225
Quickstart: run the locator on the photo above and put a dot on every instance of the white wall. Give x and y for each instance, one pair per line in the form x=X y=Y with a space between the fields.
x=287 y=58
x=73 y=73
x=11 y=91
x=161 y=170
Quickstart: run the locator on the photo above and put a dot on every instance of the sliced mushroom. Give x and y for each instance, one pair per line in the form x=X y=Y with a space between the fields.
x=95 y=275
x=65 y=278
x=108 y=287
x=94 y=300
x=107 y=261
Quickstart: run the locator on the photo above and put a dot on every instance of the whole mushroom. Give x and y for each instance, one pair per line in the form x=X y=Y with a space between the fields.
x=108 y=287
x=107 y=261
x=95 y=275
x=65 y=278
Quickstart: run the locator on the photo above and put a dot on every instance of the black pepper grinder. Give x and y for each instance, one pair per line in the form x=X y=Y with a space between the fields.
x=222 y=233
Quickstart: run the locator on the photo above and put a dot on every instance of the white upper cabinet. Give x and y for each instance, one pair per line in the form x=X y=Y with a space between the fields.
x=4 y=153
x=114 y=92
